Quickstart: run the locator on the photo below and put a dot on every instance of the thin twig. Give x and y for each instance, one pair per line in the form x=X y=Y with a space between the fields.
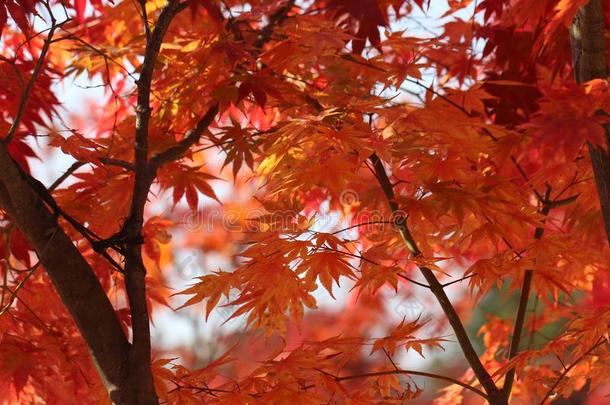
x=25 y=279
x=25 y=97
x=362 y=224
x=74 y=167
x=408 y=372
x=601 y=341
x=365 y=259
x=523 y=301
x=459 y=280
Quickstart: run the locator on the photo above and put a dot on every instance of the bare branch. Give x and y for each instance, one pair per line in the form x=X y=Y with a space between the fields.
x=459 y=280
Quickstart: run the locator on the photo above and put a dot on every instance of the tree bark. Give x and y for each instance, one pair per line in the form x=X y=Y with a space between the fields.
x=70 y=273
x=589 y=61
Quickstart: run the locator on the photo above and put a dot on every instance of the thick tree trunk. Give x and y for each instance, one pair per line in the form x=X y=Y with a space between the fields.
x=71 y=275
x=589 y=61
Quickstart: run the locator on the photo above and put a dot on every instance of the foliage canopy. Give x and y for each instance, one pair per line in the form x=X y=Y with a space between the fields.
x=328 y=158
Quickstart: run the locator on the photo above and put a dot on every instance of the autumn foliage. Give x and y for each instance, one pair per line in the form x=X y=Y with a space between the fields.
x=319 y=165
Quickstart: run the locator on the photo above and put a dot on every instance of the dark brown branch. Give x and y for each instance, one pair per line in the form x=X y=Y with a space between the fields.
x=117 y=162
x=77 y=165
x=522 y=309
x=413 y=281
x=587 y=35
x=193 y=136
x=145 y=21
x=47 y=198
x=601 y=341
x=494 y=394
x=139 y=372
x=459 y=280
x=139 y=375
x=74 y=167
x=589 y=62
x=144 y=84
x=190 y=139
x=409 y=372
x=71 y=275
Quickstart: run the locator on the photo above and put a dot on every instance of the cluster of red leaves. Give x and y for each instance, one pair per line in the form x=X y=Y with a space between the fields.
x=473 y=159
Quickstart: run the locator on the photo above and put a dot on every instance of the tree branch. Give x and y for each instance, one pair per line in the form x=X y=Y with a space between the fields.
x=191 y=138
x=494 y=394
x=587 y=36
x=274 y=20
x=139 y=374
x=522 y=309
x=71 y=275
x=409 y=372
x=601 y=341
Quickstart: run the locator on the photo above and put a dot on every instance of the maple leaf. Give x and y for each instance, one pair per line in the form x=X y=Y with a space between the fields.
x=19 y=11
x=267 y=307
x=209 y=6
x=155 y=234
x=402 y=335
x=211 y=287
x=486 y=274
x=564 y=16
x=239 y=146
x=364 y=18
x=373 y=277
x=326 y=267
x=161 y=374
x=78 y=146
x=567 y=118
x=187 y=181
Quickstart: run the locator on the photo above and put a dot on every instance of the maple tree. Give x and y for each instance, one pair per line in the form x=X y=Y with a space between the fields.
x=464 y=163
